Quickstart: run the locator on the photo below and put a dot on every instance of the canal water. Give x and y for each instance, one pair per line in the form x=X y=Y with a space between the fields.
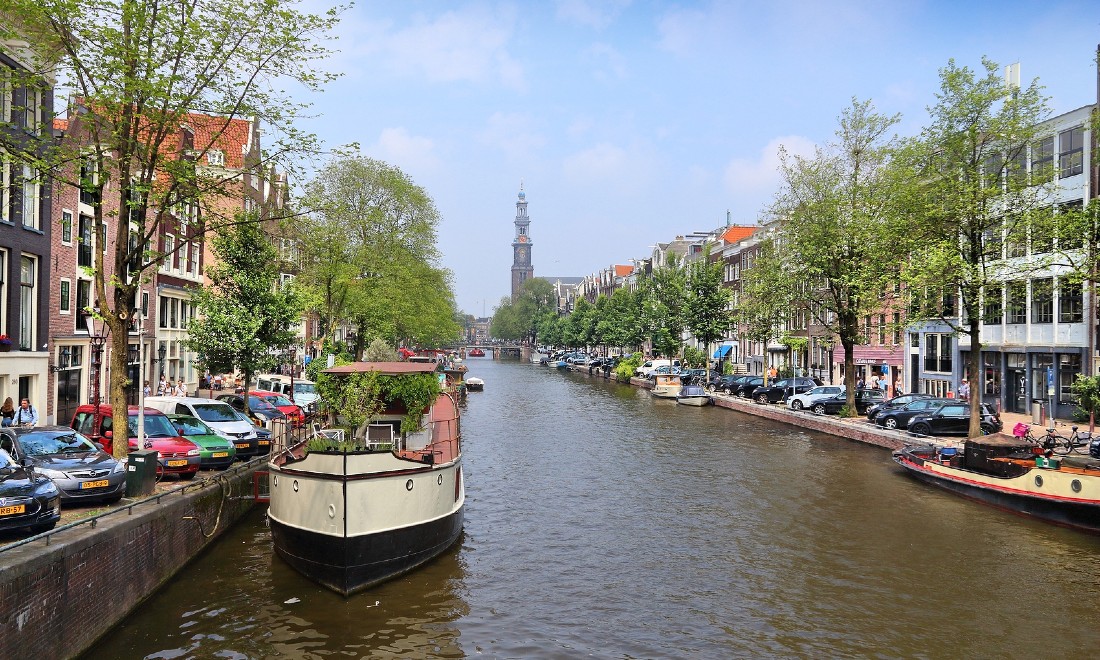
x=603 y=523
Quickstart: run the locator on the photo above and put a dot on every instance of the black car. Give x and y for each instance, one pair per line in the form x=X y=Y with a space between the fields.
x=898 y=418
x=693 y=376
x=864 y=400
x=953 y=418
x=259 y=410
x=28 y=499
x=780 y=389
x=897 y=402
x=81 y=471
x=746 y=385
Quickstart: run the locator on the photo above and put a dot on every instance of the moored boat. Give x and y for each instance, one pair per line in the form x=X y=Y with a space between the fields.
x=666 y=386
x=476 y=352
x=1014 y=474
x=693 y=395
x=475 y=384
x=350 y=512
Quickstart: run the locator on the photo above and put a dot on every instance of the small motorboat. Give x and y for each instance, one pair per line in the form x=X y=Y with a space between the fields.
x=666 y=386
x=475 y=384
x=694 y=395
x=476 y=352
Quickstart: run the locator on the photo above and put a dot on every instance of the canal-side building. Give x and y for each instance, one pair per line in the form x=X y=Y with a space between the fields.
x=522 y=268
x=1036 y=337
x=26 y=111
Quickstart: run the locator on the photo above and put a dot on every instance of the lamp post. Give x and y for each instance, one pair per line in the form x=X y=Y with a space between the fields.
x=96 y=341
x=141 y=380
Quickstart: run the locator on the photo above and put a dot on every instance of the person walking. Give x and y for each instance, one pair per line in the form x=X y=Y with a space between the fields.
x=162 y=386
x=26 y=415
x=964 y=391
x=181 y=389
x=7 y=412
x=146 y=390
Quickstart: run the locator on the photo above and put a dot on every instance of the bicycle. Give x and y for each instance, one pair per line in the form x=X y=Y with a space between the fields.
x=1054 y=443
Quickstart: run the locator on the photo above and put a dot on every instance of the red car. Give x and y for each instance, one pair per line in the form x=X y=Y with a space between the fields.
x=293 y=412
x=175 y=454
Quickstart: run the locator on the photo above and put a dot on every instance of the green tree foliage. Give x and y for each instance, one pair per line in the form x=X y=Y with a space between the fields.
x=380 y=351
x=833 y=252
x=135 y=69
x=1087 y=391
x=662 y=307
x=244 y=318
x=370 y=255
x=353 y=399
x=707 y=303
x=506 y=322
x=970 y=199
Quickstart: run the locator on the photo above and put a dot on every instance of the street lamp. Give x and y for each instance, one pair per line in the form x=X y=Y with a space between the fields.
x=96 y=340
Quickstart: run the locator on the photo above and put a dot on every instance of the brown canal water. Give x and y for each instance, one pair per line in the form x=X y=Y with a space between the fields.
x=602 y=523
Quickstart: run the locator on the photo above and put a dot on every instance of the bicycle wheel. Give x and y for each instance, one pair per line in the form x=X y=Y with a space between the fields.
x=1062 y=446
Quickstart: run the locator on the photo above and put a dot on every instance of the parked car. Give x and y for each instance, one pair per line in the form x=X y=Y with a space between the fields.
x=175 y=454
x=953 y=418
x=726 y=383
x=692 y=376
x=746 y=386
x=81 y=471
x=898 y=418
x=864 y=400
x=218 y=415
x=649 y=365
x=259 y=410
x=301 y=392
x=263 y=436
x=30 y=499
x=814 y=394
x=897 y=402
x=665 y=370
x=215 y=452
x=294 y=413
x=777 y=390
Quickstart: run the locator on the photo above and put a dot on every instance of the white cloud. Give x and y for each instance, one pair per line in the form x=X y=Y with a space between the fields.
x=463 y=45
x=610 y=168
x=409 y=152
x=753 y=183
x=598 y=14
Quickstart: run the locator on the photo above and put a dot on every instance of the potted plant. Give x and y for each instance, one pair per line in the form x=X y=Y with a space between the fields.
x=5 y=343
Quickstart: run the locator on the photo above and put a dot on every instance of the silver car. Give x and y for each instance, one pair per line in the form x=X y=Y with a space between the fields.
x=79 y=469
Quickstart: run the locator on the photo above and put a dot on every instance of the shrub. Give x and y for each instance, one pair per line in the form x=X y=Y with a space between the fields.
x=625 y=368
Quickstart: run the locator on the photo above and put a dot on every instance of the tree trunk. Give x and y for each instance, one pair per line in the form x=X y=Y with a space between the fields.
x=974 y=366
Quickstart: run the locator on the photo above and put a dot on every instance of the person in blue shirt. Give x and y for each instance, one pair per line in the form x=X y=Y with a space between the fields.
x=26 y=415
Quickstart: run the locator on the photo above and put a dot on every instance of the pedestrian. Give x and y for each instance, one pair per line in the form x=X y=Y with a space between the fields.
x=859 y=383
x=162 y=386
x=26 y=415
x=964 y=391
x=7 y=412
x=146 y=390
x=181 y=389
x=773 y=372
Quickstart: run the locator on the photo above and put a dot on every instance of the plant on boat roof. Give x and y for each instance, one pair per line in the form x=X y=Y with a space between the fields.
x=358 y=397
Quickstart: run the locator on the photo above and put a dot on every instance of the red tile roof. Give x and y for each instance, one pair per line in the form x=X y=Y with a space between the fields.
x=231 y=136
x=623 y=271
x=736 y=233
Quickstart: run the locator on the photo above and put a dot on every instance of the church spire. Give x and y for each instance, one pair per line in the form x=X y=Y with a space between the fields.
x=522 y=269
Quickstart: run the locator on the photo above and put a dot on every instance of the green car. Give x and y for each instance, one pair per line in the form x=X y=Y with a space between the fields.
x=215 y=452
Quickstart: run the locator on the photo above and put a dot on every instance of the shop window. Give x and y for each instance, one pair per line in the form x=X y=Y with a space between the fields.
x=1040 y=362
x=1069 y=367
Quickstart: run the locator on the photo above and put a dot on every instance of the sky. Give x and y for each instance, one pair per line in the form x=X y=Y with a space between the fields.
x=629 y=122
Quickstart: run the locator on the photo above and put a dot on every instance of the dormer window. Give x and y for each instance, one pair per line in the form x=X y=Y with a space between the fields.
x=215 y=157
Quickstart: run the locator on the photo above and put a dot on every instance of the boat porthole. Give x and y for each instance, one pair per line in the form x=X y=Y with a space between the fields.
x=409 y=484
x=295 y=485
x=1039 y=480
x=332 y=511
x=275 y=480
x=439 y=480
x=1075 y=485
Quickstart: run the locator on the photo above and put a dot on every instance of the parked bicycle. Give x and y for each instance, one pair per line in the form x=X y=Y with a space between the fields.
x=1053 y=442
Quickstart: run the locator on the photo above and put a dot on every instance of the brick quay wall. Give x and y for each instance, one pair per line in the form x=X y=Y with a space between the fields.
x=58 y=598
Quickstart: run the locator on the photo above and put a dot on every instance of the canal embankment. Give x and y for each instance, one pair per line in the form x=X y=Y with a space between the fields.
x=62 y=590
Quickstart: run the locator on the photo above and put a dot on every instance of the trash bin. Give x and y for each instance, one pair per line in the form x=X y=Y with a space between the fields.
x=141 y=472
x=1037 y=413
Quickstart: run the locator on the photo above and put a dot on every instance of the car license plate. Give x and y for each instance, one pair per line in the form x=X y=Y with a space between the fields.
x=220 y=454
x=12 y=510
x=94 y=484
x=242 y=445
x=180 y=463
x=264 y=442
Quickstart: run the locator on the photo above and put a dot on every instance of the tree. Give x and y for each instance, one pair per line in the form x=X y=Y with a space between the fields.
x=707 y=303
x=137 y=72
x=370 y=255
x=971 y=197
x=244 y=317
x=1087 y=391
x=662 y=307
x=834 y=248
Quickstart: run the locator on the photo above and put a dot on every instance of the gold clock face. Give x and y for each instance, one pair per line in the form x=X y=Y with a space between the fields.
x=522 y=239
x=522 y=252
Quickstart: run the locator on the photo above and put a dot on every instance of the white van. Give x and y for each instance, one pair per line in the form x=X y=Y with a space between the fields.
x=218 y=415
x=651 y=365
x=304 y=393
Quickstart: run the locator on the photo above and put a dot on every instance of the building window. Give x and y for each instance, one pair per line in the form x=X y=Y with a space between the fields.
x=84 y=236
x=1069 y=367
x=6 y=182
x=195 y=259
x=881 y=329
x=215 y=157
x=27 y=299
x=89 y=192
x=914 y=339
x=67 y=227
x=1040 y=362
x=992 y=168
x=1042 y=160
x=83 y=302
x=145 y=304
x=31 y=198
x=994 y=307
x=3 y=288
x=937 y=353
x=65 y=296
x=1070 y=237
x=1070 y=302
x=163 y=312
x=897 y=328
x=1042 y=300
x=185 y=252
x=1017 y=302
x=1070 y=158
x=169 y=253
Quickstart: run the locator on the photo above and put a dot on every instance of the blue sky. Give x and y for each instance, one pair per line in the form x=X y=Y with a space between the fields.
x=630 y=122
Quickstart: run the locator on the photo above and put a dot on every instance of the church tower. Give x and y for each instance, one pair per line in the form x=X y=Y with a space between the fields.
x=522 y=270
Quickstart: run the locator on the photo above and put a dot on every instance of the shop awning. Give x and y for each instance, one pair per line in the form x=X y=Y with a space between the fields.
x=722 y=351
